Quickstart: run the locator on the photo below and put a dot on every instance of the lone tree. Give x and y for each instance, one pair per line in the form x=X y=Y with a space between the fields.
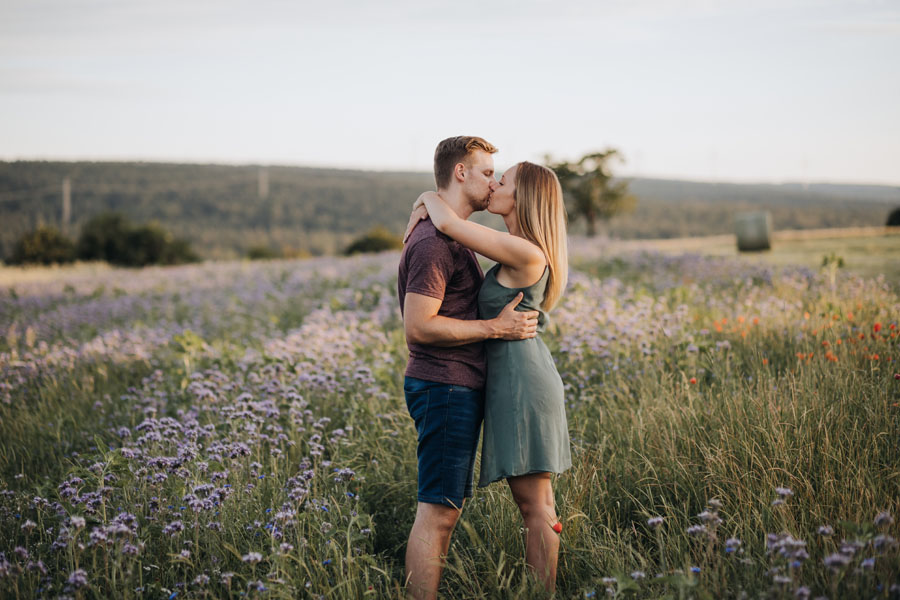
x=590 y=188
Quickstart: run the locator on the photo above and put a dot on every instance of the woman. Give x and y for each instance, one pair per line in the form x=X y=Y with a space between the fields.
x=525 y=432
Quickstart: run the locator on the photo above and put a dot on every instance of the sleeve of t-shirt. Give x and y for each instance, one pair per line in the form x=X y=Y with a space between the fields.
x=430 y=267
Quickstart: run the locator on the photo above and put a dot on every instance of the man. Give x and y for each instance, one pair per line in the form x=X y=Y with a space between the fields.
x=438 y=288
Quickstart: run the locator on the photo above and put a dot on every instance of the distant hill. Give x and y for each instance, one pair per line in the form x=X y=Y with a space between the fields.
x=221 y=210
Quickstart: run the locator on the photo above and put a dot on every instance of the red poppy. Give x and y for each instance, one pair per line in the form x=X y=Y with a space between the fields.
x=876 y=327
x=557 y=527
x=693 y=380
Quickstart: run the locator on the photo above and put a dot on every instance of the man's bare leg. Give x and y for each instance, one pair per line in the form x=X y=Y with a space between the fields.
x=427 y=549
x=534 y=495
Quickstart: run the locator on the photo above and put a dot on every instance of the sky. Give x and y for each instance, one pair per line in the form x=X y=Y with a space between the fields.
x=745 y=91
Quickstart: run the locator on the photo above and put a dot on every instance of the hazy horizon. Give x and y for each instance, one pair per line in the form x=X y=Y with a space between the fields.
x=721 y=92
x=500 y=169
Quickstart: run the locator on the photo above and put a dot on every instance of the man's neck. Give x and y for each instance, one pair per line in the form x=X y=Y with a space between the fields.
x=457 y=201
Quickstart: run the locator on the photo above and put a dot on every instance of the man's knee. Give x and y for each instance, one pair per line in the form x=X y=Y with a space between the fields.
x=437 y=517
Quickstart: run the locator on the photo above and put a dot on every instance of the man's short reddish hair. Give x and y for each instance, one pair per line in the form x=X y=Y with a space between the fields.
x=454 y=150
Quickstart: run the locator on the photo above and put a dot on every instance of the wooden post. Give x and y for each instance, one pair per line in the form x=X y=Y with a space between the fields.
x=263 y=183
x=66 y=203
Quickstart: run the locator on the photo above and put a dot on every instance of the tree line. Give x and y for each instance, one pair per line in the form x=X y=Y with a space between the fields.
x=109 y=237
x=305 y=211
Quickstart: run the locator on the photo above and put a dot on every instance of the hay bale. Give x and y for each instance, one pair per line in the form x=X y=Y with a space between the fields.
x=753 y=231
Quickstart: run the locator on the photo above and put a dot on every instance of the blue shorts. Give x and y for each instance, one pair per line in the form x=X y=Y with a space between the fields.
x=448 y=421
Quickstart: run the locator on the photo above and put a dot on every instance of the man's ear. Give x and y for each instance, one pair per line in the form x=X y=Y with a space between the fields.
x=459 y=171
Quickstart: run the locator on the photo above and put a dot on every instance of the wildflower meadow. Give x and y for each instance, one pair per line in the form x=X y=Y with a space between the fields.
x=238 y=430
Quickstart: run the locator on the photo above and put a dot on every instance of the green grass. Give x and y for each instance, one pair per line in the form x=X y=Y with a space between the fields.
x=689 y=380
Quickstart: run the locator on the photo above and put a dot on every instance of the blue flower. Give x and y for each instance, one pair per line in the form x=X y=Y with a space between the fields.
x=327 y=561
x=695 y=569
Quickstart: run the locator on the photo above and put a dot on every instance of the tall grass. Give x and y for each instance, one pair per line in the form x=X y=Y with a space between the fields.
x=755 y=411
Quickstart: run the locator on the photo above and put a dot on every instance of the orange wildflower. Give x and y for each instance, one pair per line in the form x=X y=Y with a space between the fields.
x=693 y=381
x=765 y=361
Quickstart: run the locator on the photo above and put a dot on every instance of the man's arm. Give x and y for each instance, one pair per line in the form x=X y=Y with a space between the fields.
x=423 y=325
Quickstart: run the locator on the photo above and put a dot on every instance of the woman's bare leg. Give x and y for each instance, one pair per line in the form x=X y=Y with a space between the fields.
x=534 y=495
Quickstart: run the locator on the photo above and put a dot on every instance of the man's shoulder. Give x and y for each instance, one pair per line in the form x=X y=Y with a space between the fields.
x=426 y=237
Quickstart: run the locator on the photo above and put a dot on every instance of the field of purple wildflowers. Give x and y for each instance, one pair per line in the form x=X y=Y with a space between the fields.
x=239 y=430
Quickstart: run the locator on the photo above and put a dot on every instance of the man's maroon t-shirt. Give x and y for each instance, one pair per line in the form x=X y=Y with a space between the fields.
x=434 y=265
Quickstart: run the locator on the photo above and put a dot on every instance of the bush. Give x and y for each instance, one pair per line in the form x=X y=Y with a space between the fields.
x=894 y=218
x=378 y=239
x=262 y=253
x=111 y=237
x=45 y=245
x=104 y=237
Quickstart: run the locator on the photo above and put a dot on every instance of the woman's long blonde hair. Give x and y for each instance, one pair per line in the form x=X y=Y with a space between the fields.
x=542 y=220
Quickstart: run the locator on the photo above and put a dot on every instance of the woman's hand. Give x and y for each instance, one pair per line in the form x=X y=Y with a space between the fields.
x=419 y=213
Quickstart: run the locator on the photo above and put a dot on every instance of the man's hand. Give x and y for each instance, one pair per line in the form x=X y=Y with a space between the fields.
x=511 y=324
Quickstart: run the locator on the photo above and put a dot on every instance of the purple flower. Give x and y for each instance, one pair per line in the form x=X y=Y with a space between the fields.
x=836 y=560
x=173 y=528
x=77 y=579
x=883 y=518
x=696 y=530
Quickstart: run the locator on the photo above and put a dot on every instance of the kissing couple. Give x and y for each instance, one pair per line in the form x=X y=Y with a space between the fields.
x=475 y=355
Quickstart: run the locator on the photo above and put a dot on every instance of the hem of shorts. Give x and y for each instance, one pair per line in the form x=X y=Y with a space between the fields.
x=444 y=501
x=531 y=472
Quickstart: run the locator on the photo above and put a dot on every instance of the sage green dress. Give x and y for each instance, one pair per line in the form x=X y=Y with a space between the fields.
x=525 y=429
